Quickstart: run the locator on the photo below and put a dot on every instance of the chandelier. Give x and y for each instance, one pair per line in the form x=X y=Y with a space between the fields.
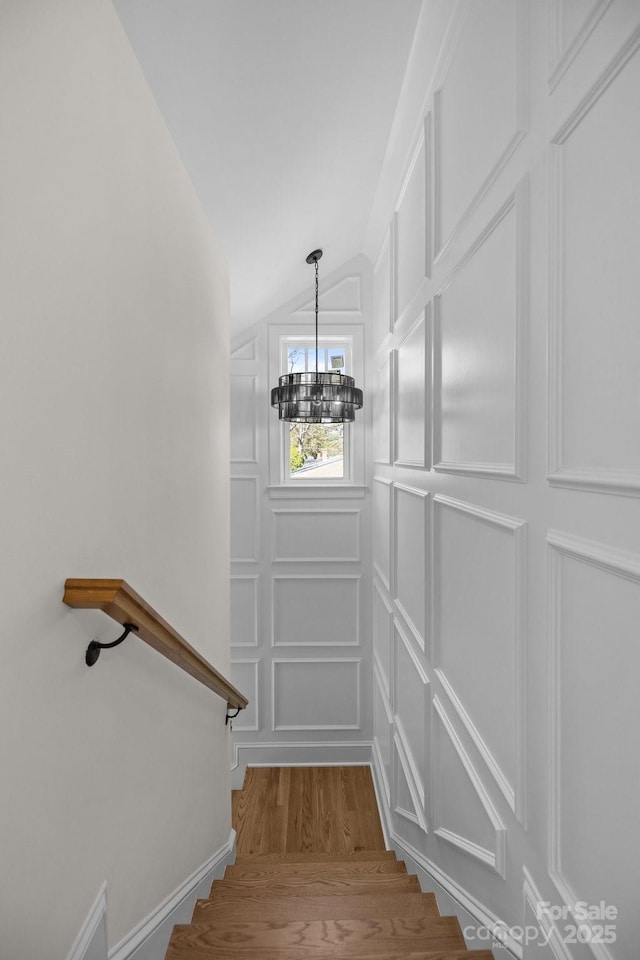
x=316 y=397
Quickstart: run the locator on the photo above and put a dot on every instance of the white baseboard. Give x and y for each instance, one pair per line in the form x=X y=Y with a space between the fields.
x=91 y=942
x=149 y=939
x=323 y=753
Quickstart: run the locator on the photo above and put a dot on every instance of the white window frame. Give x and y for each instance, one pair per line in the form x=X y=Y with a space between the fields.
x=281 y=338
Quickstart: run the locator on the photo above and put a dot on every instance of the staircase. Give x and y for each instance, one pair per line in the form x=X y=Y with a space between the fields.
x=326 y=905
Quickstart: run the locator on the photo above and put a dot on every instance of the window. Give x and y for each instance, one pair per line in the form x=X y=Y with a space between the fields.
x=315 y=455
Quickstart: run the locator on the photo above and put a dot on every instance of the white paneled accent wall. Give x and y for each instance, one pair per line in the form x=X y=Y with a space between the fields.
x=301 y=552
x=505 y=614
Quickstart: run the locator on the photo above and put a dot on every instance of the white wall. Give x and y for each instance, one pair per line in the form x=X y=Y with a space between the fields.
x=114 y=426
x=507 y=569
x=300 y=558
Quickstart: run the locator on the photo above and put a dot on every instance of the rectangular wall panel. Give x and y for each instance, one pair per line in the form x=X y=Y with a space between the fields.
x=316 y=694
x=243 y=418
x=594 y=669
x=244 y=676
x=480 y=327
x=244 y=519
x=478 y=632
x=316 y=535
x=594 y=336
x=382 y=513
x=411 y=710
x=382 y=627
x=410 y=232
x=473 y=140
x=381 y=402
x=412 y=396
x=316 y=611
x=382 y=300
x=244 y=611
x=410 y=558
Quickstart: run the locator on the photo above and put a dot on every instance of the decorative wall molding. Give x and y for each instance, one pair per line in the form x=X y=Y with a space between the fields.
x=352 y=548
x=495 y=859
x=149 y=938
x=252 y=453
x=379 y=685
x=514 y=793
x=517 y=201
x=254 y=579
x=351 y=696
x=418 y=338
x=386 y=671
x=402 y=764
x=331 y=641
x=613 y=481
x=617 y=563
x=416 y=765
x=424 y=598
x=251 y=523
x=421 y=169
x=240 y=722
x=563 y=51
x=554 y=938
x=385 y=573
x=386 y=307
x=385 y=412
x=442 y=244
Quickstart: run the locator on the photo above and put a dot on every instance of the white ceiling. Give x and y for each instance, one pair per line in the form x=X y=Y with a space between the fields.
x=281 y=110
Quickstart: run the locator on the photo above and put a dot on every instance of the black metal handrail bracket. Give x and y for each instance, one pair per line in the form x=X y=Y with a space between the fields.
x=94 y=648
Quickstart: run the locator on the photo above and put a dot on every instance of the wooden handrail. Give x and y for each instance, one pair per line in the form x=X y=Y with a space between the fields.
x=119 y=601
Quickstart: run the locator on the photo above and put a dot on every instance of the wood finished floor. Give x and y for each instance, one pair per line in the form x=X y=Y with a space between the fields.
x=323 y=810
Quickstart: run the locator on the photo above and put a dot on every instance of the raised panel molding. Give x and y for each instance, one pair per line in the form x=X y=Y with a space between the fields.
x=412 y=396
x=332 y=529
x=513 y=792
x=245 y=675
x=244 y=610
x=382 y=755
x=340 y=614
x=382 y=529
x=383 y=431
x=412 y=703
x=382 y=631
x=624 y=482
x=245 y=517
x=618 y=564
x=495 y=858
x=442 y=243
x=411 y=574
x=244 y=442
x=563 y=50
x=402 y=767
x=514 y=469
x=320 y=691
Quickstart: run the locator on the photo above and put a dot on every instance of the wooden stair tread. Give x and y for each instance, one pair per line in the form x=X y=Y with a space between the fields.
x=317 y=857
x=355 y=906
x=311 y=886
x=300 y=940
x=341 y=868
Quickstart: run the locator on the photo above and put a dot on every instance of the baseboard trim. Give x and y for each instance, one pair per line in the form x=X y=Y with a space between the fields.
x=93 y=932
x=149 y=939
x=321 y=753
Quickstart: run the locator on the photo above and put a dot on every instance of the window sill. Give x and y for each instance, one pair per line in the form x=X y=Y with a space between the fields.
x=317 y=491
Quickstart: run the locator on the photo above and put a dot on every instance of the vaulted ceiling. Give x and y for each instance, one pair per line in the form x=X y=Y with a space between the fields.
x=281 y=111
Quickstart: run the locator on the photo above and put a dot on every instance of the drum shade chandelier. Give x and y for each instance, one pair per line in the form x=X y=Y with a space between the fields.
x=320 y=397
